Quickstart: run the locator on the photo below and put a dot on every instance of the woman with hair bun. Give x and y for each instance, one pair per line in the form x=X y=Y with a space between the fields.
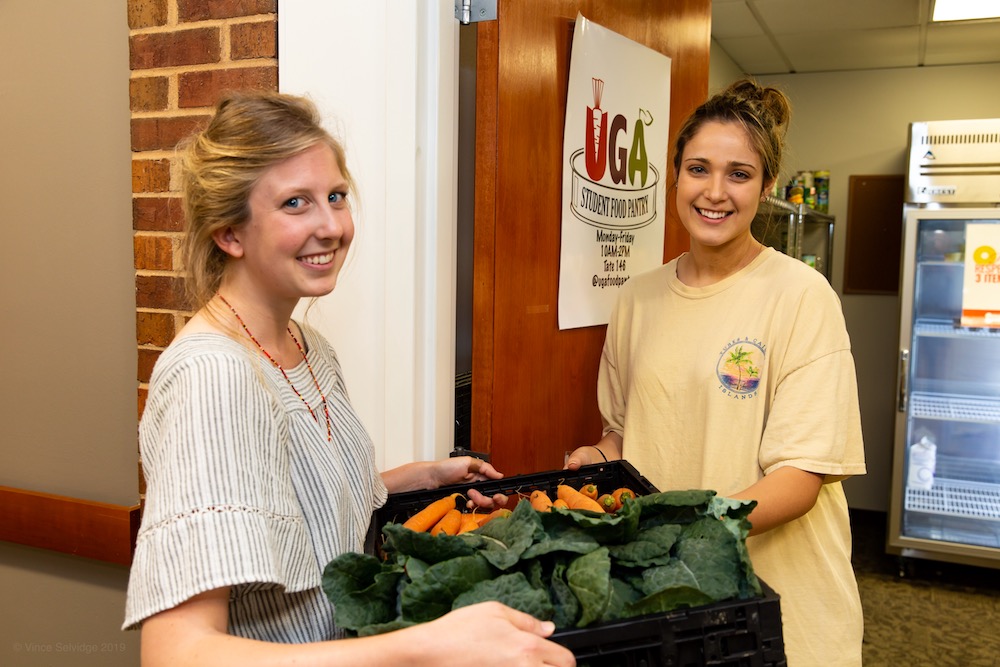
x=259 y=471
x=730 y=368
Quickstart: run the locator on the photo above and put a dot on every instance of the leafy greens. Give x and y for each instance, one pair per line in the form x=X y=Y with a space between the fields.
x=659 y=552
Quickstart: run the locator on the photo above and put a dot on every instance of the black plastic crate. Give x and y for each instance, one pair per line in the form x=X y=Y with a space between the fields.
x=736 y=633
x=607 y=476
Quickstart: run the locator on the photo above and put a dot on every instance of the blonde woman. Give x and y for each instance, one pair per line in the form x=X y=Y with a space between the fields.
x=259 y=471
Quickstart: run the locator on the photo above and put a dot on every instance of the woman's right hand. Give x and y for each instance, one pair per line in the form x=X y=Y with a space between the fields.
x=491 y=634
x=582 y=456
x=608 y=448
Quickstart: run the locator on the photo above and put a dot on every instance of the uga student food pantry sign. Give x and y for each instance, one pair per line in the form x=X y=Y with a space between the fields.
x=614 y=165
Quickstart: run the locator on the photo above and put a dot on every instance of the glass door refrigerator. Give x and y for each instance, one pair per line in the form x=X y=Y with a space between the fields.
x=945 y=496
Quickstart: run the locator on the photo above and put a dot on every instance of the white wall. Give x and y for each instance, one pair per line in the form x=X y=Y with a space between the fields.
x=722 y=70
x=385 y=75
x=856 y=123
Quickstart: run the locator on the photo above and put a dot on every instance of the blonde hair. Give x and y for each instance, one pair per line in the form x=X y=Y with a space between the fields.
x=762 y=111
x=249 y=133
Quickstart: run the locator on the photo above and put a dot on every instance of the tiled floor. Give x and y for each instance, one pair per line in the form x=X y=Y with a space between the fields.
x=934 y=615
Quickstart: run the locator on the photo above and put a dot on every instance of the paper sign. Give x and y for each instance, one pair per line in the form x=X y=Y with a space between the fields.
x=614 y=170
x=981 y=287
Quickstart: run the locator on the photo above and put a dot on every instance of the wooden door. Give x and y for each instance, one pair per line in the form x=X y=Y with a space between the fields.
x=534 y=386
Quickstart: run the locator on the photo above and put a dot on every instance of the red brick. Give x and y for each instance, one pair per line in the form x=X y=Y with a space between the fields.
x=153 y=253
x=146 y=13
x=150 y=134
x=253 y=40
x=157 y=214
x=197 y=46
x=141 y=402
x=203 y=89
x=160 y=292
x=201 y=10
x=148 y=93
x=147 y=359
x=155 y=329
x=150 y=175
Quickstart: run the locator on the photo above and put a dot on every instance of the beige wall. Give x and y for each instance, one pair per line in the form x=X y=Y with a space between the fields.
x=68 y=388
x=856 y=123
x=67 y=399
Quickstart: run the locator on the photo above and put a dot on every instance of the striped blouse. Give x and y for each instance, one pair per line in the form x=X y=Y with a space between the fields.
x=243 y=489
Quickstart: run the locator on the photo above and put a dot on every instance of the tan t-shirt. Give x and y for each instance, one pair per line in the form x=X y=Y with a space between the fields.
x=714 y=387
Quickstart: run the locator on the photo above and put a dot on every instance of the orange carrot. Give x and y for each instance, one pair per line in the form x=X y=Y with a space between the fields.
x=469 y=522
x=428 y=517
x=559 y=502
x=449 y=523
x=576 y=500
x=589 y=490
x=502 y=512
x=608 y=502
x=540 y=500
x=620 y=495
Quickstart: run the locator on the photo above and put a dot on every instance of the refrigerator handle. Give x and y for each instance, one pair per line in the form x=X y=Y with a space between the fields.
x=904 y=368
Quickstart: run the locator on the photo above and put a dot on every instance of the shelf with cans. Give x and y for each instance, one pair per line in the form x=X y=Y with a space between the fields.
x=787 y=222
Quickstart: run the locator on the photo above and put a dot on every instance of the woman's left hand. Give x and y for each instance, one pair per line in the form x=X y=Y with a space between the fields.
x=423 y=475
x=468 y=469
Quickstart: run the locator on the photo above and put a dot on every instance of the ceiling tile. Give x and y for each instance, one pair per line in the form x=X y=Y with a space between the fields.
x=962 y=44
x=733 y=19
x=793 y=16
x=754 y=55
x=854 y=49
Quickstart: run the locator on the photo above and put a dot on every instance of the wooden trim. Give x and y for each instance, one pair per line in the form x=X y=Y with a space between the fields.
x=71 y=525
x=484 y=235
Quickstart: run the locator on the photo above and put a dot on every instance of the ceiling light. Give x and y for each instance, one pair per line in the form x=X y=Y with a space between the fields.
x=965 y=10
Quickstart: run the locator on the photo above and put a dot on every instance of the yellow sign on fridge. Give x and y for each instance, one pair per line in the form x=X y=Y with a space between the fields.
x=981 y=287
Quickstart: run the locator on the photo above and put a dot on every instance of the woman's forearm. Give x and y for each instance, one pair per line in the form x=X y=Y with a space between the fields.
x=782 y=496
x=409 y=477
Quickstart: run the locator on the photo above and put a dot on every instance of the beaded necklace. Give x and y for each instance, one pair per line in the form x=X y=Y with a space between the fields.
x=322 y=396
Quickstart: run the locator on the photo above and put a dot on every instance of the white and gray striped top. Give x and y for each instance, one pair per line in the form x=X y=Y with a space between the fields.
x=243 y=489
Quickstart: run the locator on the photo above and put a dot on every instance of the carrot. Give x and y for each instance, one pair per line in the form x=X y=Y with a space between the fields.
x=428 y=517
x=449 y=523
x=559 y=502
x=607 y=502
x=469 y=522
x=576 y=500
x=502 y=512
x=540 y=500
x=620 y=495
x=589 y=490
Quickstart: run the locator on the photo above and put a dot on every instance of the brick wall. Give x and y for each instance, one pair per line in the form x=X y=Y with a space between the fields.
x=182 y=54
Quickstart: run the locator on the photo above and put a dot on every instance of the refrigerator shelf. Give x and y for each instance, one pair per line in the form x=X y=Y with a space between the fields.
x=939 y=328
x=945 y=406
x=958 y=498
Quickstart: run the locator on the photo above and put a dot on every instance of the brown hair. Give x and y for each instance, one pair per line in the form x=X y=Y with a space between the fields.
x=762 y=111
x=248 y=133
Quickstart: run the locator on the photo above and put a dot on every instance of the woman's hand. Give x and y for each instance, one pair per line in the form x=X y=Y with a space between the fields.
x=424 y=475
x=510 y=638
x=609 y=448
x=468 y=469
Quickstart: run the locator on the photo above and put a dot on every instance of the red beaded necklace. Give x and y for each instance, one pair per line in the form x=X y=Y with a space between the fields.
x=322 y=396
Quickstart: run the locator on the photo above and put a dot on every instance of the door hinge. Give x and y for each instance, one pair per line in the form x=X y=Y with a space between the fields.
x=475 y=11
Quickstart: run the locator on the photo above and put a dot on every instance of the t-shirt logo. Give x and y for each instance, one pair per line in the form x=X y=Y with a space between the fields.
x=739 y=366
